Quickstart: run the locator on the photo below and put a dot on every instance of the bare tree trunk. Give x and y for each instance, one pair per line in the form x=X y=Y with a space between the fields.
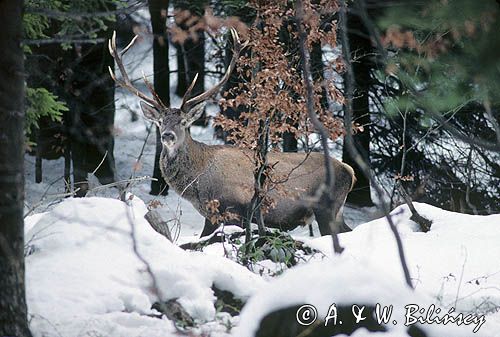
x=191 y=54
x=13 y=320
x=349 y=142
x=158 y=10
x=362 y=51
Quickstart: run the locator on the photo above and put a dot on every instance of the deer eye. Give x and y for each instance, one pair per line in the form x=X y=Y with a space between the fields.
x=183 y=122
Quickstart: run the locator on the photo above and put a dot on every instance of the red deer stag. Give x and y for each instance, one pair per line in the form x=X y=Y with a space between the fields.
x=201 y=173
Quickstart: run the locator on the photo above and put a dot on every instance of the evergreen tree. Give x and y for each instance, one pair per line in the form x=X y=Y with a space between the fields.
x=67 y=62
x=441 y=94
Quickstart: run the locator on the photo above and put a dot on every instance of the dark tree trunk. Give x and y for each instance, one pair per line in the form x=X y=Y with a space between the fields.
x=92 y=116
x=231 y=88
x=362 y=49
x=13 y=320
x=289 y=140
x=191 y=55
x=317 y=69
x=182 y=76
x=247 y=15
x=158 y=11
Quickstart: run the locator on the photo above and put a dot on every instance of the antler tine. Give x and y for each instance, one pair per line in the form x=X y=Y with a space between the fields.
x=152 y=90
x=237 y=47
x=188 y=91
x=125 y=81
x=131 y=43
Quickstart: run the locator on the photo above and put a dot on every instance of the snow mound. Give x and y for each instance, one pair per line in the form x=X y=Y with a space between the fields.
x=344 y=282
x=456 y=261
x=83 y=276
x=453 y=265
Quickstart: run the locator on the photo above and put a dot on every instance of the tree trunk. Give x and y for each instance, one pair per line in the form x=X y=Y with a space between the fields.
x=92 y=106
x=361 y=46
x=92 y=116
x=191 y=55
x=158 y=11
x=231 y=89
x=13 y=320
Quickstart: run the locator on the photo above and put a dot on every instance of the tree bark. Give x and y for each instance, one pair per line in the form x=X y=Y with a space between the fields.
x=191 y=55
x=158 y=11
x=13 y=320
x=92 y=107
x=231 y=89
x=361 y=46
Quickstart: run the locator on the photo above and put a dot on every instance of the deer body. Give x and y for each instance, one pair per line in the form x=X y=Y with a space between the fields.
x=201 y=173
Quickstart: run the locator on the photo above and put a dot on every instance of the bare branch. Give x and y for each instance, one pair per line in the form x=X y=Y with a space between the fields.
x=79 y=16
x=326 y=199
x=55 y=40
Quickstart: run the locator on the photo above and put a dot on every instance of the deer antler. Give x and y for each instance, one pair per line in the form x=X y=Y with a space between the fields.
x=188 y=104
x=125 y=82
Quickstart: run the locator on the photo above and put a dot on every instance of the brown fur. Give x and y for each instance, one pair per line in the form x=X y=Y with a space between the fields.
x=200 y=173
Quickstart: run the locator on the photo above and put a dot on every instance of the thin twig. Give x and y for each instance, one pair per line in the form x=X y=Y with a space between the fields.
x=326 y=199
x=154 y=283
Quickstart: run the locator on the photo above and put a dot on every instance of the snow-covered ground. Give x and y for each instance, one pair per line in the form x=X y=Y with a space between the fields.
x=85 y=278
x=456 y=265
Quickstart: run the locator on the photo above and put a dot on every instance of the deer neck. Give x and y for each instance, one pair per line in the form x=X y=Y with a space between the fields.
x=180 y=168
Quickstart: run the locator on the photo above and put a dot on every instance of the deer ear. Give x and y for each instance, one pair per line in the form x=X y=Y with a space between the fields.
x=194 y=114
x=150 y=112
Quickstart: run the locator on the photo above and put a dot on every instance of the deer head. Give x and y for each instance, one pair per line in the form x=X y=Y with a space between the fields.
x=172 y=122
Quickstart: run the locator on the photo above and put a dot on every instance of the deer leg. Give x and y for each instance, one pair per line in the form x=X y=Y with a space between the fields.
x=209 y=228
x=340 y=220
x=323 y=219
x=331 y=223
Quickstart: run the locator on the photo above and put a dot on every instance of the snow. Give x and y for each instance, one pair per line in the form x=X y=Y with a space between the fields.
x=342 y=281
x=453 y=265
x=446 y=261
x=83 y=274
x=83 y=277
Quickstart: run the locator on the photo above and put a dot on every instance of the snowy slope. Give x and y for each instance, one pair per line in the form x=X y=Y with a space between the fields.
x=83 y=277
x=456 y=264
x=457 y=261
